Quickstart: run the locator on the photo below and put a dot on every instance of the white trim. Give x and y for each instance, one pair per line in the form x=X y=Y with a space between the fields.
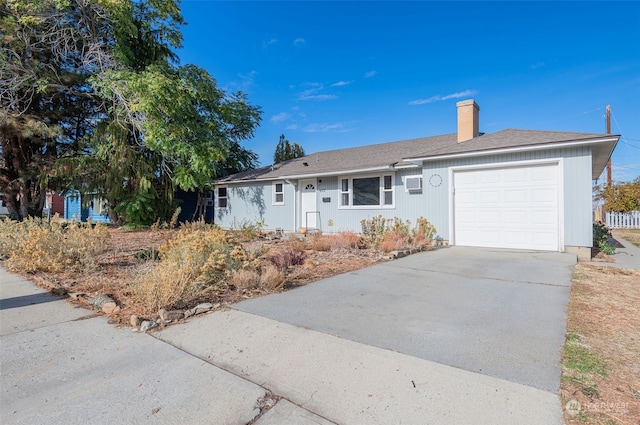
x=509 y=150
x=216 y=197
x=381 y=192
x=274 y=193
x=301 y=186
x=559 y=161
x=387 y=168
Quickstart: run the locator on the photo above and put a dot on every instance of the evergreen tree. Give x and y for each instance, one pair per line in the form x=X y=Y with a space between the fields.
x=285 y=151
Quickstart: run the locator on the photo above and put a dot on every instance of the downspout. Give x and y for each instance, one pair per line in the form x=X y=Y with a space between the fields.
x=295 y=202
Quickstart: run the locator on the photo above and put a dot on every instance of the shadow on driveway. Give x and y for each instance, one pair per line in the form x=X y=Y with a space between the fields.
x=25 y=300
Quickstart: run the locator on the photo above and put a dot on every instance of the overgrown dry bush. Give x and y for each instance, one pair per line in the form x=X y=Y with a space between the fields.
x=320 y=242
x=344 y=240
x=288 y=256
x=245 y=279
x=373 y=230
x=196 y=262
x=395 y=234
x=37 y=245
x=394 y=241
x=272 y=278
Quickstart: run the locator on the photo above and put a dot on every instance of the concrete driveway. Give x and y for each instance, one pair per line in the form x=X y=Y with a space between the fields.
x=495 y=312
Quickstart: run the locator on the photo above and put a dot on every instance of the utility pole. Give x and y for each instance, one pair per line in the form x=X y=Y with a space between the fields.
x=608 y=116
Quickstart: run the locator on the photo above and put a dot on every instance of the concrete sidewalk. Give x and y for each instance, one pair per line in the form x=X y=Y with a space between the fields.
x=63 y=365
x=626 y=256
x=352 y=383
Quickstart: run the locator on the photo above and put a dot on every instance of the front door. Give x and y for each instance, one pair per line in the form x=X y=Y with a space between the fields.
x=308 y=202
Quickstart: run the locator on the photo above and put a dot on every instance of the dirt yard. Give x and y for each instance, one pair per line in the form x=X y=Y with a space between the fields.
x=601 y=366
x=127 y=250
x=601 y=373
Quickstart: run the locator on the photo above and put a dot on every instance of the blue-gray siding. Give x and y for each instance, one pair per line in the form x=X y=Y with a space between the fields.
x=252 y=202
x=249 y=203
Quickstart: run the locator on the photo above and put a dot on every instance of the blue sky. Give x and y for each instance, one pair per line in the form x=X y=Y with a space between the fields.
x=329 y=75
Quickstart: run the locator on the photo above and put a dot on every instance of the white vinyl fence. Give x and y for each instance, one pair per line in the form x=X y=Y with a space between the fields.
x=623 y=220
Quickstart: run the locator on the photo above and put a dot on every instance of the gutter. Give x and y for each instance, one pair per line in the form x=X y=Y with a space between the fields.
x=286 y=178
x=419 y=160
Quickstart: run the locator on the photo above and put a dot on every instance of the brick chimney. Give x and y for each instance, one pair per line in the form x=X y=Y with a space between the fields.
x=468 y=120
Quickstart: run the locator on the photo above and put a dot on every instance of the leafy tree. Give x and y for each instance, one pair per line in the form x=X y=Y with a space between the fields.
x=285 y=151
x=46 y=101
x=102 y=108
x=621 y=197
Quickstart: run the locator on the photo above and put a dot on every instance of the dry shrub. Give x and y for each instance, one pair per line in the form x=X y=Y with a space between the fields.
x=296 y=245
x=321 y=243
x=37 y=245
x=245 y=279
x=272 y=278
x=394 y=241
x=344 y=240
x=373 y=230
x=288 y=256
x=197 y=261
x=421 y=242
x=163 y=286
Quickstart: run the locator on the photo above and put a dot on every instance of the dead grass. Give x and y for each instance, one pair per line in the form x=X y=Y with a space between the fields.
x=129 y=255
x=601 y=367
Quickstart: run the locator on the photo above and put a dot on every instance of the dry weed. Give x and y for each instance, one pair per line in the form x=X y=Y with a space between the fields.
x=198 y=260
x=37 y=245
x=162 y=286
x=345 y=240
x=272 y=278
x=394 y=241
x=245 y=279
x=320 y=243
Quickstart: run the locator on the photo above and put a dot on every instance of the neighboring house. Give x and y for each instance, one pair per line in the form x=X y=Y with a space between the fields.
x=3 y=209
x=195 y=206
x=95 y=209
x=523 y=189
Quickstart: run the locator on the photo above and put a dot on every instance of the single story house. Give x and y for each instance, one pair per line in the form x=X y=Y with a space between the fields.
x=77 y=208
x=522 y=189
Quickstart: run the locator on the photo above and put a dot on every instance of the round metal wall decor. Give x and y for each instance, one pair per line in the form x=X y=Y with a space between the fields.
x=435 y=180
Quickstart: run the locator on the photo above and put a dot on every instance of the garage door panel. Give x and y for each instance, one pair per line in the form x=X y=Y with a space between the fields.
x=515 y=196
x=512 y=175
x=488 y=196
x=544 y=195
x=514 y=207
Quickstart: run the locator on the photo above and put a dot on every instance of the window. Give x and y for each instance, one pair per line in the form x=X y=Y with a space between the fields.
x=99 y=205
x=278 y=193
x=367 y=192
x=344 y=193
x=221 y=197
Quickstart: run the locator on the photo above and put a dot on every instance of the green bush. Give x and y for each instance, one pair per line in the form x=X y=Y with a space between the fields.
x=601 y=234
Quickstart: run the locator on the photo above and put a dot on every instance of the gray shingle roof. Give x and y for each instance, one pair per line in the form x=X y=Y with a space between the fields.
x=388 y=155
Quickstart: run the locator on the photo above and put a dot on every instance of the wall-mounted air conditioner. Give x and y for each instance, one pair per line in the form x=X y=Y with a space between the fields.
x=413 y=183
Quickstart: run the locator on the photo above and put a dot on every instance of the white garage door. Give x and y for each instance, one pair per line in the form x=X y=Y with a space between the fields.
x=513 y=207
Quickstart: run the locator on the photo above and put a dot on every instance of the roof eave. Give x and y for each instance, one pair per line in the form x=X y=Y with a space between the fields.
x=550 y=145
x=390 y=167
